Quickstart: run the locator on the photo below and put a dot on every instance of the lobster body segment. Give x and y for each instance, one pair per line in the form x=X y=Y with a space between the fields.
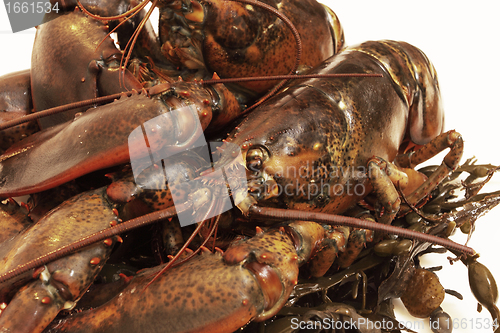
x=415 y=80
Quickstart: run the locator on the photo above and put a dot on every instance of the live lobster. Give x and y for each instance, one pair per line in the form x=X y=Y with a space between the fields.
x=253 y=161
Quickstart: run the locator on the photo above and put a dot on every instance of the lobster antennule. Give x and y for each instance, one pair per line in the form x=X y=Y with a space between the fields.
x=127 y=15
x=135 y=35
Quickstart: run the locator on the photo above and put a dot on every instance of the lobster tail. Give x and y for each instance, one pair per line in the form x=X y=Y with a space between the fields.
x=415 y=80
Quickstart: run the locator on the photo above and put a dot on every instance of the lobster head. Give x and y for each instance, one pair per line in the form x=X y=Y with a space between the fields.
x=292 y=148
x=308 y=147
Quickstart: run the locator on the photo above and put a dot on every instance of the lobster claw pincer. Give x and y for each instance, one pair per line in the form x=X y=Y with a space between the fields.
x=62 y=282
x=210 y=292
x=85 y=70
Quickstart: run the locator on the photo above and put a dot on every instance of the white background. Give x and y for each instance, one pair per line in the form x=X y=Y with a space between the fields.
x=461 y=40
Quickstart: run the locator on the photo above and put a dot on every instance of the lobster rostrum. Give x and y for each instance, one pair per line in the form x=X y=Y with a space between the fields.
x=265 y=155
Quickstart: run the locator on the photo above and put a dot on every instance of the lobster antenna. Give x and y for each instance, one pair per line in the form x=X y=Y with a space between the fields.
x=63 y=108
x=164 y=87
x=132 y=12
x=133 y=40
x=288 y=77
x=291 y=214
x=254 y=211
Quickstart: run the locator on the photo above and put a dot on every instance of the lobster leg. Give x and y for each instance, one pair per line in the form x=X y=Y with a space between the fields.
x=356 y=242
x=384 y=176
x=452 y=140
x=333 y=244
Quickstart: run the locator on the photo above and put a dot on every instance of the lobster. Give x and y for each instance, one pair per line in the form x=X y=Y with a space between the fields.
x=100 y=75
x=260 y=154
x=257 y=155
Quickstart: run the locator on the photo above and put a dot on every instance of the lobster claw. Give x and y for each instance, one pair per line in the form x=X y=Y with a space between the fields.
x=69 y=150
x=81 y=73
x=65 y=280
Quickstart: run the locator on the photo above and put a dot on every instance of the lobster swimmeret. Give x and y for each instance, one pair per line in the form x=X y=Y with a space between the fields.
x=327 y=141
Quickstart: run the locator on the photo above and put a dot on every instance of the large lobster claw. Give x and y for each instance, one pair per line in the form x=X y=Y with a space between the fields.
x=70 y=150
x=85 y=70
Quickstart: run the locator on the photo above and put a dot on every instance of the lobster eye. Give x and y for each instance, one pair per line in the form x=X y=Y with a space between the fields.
x=322 y=199
x=255 y=158
x=112 y=60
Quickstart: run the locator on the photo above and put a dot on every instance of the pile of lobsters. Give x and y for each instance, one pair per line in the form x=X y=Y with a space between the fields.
x=227 y=172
